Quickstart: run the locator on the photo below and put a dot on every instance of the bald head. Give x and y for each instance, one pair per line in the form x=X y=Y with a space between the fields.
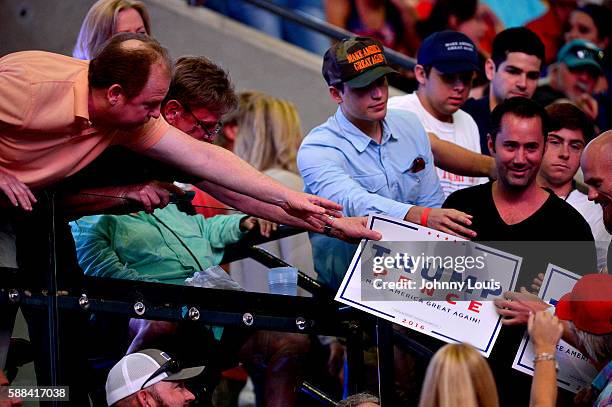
x=596 y=163
x=127 y=60
x=599 y=147
x=134 y=44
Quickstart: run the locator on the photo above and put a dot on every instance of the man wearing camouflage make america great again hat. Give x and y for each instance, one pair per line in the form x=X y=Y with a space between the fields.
x=369 y=159
x=357 y=62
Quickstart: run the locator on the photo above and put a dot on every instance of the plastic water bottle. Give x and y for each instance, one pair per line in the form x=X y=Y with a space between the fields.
x=283 y=280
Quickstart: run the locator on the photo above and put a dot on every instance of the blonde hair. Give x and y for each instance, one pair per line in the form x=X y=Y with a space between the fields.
x=269 y=132
x=458 y=376
x=99 y=25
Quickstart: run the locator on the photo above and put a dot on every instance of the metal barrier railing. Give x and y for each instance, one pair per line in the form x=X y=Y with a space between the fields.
x=327 y=29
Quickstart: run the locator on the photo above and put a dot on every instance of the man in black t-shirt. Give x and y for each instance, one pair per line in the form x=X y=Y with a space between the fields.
x=513 y=209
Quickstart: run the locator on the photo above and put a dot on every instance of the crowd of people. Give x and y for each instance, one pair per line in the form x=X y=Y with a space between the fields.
x=105 y=142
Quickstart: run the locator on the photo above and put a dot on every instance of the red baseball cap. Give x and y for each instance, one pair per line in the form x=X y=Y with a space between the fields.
x=589 y=304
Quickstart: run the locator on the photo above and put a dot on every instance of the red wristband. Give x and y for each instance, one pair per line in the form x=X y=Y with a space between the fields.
x=424 y=216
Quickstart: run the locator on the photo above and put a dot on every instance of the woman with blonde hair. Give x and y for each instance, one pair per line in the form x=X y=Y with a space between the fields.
x=106 y=18
x=458 y=376
x=266 y=133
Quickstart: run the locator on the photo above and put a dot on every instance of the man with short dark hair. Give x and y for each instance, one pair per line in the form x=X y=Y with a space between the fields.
x=446 y=64
x=569 y=132
x=200 y=94
x=588 y=306
x=513 y=69
x=515 y=209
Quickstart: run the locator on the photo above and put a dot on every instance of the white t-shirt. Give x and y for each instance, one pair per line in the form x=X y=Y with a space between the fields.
x=593 y=214
x=462 y=131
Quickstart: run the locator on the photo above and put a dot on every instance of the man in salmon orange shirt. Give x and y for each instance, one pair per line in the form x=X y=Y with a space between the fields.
x=57 y=114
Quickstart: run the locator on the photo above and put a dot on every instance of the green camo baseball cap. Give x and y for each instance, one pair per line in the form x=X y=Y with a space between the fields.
x=356 y=62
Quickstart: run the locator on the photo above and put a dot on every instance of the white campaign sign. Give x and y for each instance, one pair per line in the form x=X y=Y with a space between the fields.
x=575 y=371
x=472 y=321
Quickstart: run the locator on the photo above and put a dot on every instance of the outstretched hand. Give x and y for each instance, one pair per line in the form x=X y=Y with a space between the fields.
x=353 y=229
x=302 y=205
x=515 y=308
x=451 y=221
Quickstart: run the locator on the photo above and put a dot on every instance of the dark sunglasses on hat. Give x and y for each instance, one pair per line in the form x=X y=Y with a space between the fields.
x=171 y=366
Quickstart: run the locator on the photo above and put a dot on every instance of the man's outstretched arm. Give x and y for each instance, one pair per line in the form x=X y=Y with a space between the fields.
x=213 y=163
x=117 y=200
x=345 y=228
x=453 y=158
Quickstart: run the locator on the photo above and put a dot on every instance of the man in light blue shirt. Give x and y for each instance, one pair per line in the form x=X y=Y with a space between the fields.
x=367 y=159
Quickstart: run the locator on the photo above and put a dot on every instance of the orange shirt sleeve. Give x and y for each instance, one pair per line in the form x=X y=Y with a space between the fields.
x=144 y=138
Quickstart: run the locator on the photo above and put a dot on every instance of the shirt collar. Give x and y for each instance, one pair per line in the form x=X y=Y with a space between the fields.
x=356 y=137
x=81 y=95
x=81 y=100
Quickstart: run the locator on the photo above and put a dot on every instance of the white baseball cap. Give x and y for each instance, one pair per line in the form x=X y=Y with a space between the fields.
x=143 y=369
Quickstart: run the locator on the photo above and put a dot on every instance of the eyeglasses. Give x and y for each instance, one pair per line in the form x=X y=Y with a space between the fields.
x=171 y=366
x=210 y=134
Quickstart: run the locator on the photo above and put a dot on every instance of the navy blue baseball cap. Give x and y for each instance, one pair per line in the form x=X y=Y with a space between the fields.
x=449 y=52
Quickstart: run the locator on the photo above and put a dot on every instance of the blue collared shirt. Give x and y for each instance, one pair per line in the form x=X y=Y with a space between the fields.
x=340 y=162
